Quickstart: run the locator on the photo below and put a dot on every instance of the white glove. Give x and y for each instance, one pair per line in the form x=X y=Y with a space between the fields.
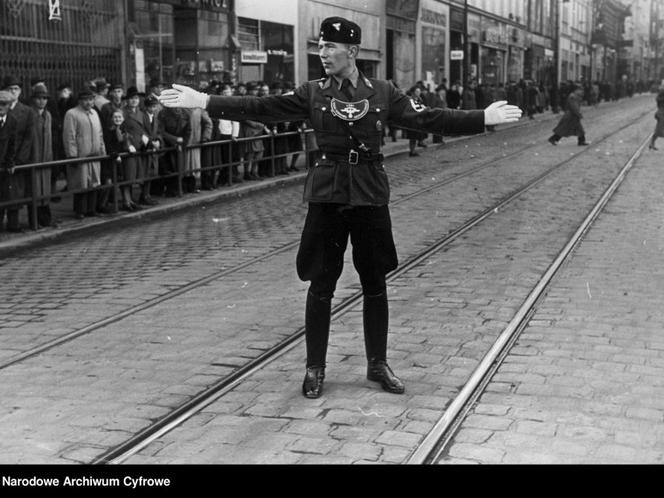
x=500 y=112
x=183 y=96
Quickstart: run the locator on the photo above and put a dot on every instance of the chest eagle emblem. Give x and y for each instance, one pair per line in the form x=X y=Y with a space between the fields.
x=349 y=111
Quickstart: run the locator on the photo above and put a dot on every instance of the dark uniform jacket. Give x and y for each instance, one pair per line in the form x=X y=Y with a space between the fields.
x=335 y=179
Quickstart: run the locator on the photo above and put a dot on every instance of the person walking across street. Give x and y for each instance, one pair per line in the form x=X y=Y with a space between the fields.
x=347 y=190
x=659 y=116
x=570 y=123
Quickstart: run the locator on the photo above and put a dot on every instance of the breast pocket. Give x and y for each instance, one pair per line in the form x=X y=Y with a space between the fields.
x=322 y=118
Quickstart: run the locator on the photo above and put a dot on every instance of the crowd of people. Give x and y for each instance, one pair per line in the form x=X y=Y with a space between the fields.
x=138 y=138
x=132 y=128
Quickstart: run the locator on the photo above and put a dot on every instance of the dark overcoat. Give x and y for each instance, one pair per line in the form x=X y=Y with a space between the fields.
x=570 y=124
x=24 y=149
x=43 y=145
x=7 y=157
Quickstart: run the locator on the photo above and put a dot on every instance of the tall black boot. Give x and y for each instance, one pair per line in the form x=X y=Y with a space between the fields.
x=317 y=332
x=375 y=320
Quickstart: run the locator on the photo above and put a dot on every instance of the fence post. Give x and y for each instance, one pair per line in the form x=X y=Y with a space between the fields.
x=116 y=188
x=34 y=223
x=273 y=151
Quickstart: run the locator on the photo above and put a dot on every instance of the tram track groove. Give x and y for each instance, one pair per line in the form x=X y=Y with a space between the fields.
x=167 y=423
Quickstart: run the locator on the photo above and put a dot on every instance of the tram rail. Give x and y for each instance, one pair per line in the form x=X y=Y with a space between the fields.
x=430 y=449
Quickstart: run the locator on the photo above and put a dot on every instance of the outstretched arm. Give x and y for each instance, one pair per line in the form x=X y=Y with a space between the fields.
x=408 y=113
x=272 y=108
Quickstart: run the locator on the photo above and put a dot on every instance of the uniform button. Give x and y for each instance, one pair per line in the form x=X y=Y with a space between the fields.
x=350 y=124
x=323 y=108
x=377 y=109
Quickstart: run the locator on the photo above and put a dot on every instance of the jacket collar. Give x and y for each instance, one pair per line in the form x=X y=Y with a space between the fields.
x=363 y=88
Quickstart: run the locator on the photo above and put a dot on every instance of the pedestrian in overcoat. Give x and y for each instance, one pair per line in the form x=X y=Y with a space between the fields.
x=24 y=147
x=7 y=150
x=155 y=143
x=43 y=144
x=347 y=190
x=83 y=136
x=659 y=116
x=200 y=131
x=134 y=124
x=173 y=127
x=570 y=124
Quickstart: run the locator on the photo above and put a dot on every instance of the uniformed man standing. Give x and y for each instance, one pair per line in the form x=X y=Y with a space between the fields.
x=347 y=190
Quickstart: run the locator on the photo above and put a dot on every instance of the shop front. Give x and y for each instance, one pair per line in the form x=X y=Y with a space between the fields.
x=457 y=27
x=516 y=54
x=185 y=41
x=493 y=52
x=433 y=18
x=266 y=51
x=401 y=21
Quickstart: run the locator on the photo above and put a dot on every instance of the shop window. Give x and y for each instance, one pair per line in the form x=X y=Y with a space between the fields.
x=153 y=43
x=248 y=33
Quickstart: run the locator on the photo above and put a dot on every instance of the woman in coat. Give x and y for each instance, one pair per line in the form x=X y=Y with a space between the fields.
x=570 y=124
x=659 y=116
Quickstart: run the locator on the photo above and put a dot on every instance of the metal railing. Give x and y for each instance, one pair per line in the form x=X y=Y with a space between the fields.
x=34 y=200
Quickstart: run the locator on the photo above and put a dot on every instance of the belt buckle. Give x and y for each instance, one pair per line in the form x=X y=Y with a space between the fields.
x=353 y=157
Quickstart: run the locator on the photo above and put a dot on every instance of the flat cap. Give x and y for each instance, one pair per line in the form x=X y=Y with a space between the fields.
x=340 y=30
x=39 y=90
x=150 y=100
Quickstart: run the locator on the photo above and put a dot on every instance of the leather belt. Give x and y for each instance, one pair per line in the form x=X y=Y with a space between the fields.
x=353 y=157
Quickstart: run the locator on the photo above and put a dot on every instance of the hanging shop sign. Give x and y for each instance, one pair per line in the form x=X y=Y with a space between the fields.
x=456 y=55
x=253 y=57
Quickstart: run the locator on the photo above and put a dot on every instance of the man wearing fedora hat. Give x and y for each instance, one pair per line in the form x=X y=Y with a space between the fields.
x=83 y=137
x=24 y=145
x=347 y=190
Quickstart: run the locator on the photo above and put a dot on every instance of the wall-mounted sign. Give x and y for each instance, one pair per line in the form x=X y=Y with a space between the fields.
x=54 y=10
x=217 y=5
x=254 y=57
x=456 y=55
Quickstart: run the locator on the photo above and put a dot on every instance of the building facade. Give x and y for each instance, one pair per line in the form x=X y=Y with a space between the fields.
x=197 y=41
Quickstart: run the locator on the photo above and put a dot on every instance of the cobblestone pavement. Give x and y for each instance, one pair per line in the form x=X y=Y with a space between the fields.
x=115 y=380
x=585 y=381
